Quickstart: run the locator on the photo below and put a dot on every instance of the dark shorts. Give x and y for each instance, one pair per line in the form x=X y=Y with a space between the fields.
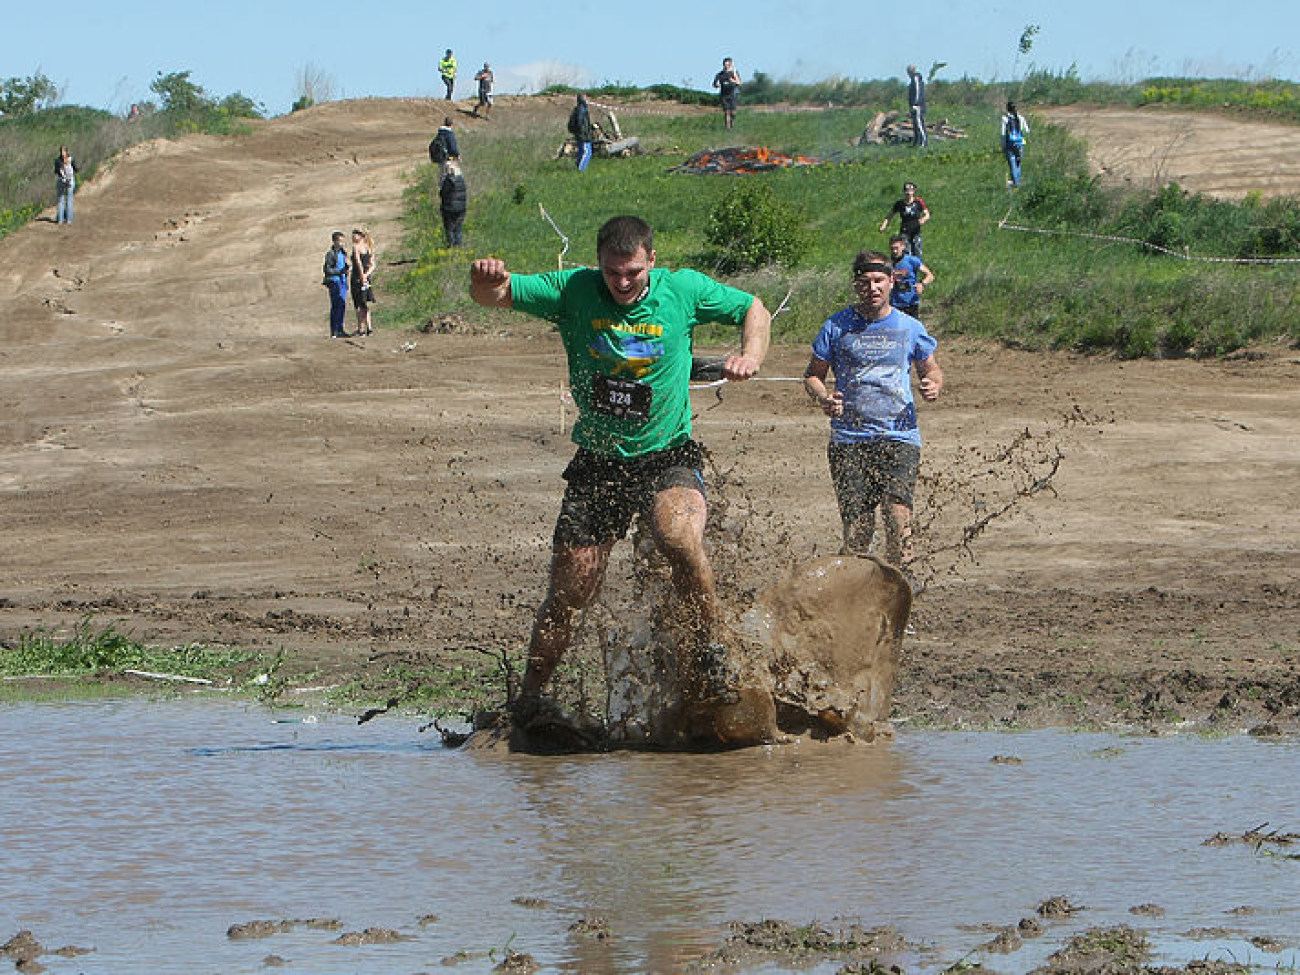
x=872 y=471
x=603 y=493
x=729 y=102
x=361 y=296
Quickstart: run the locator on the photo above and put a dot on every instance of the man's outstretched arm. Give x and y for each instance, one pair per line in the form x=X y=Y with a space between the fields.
x=489 y=283
x=755 y=335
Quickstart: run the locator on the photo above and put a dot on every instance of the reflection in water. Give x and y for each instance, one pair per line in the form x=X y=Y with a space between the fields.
x=145 y=829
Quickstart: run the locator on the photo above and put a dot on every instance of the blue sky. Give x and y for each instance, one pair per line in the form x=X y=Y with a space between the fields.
x=105 y=54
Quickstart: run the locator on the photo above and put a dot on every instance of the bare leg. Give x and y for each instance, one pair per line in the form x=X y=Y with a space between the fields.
x=576 y=576
x=677 y=522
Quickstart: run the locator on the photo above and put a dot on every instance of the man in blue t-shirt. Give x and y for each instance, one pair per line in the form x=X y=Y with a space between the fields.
x=911 y=277
x=875 y=448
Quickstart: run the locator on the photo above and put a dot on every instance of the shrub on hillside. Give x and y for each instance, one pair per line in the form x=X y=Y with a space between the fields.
x=751 y=227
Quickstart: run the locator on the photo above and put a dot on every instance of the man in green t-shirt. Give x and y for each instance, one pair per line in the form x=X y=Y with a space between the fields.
x=627 y=328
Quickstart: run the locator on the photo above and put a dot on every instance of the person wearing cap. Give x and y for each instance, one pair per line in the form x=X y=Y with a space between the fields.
x=875 y=445
x=447 y=72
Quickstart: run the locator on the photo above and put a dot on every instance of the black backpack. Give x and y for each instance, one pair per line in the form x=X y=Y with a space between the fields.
x=438 y=149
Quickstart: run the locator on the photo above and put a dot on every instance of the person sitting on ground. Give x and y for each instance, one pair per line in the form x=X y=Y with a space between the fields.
x=627 y=330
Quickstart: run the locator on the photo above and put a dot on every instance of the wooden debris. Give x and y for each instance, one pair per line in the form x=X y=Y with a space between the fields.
x=890 y=128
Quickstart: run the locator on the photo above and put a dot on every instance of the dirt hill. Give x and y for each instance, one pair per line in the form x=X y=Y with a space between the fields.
x=186 y=454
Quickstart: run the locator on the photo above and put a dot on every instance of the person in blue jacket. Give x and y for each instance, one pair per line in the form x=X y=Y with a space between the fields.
x=336 y=280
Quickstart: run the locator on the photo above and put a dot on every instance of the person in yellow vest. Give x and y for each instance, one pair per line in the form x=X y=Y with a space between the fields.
x=447 y=71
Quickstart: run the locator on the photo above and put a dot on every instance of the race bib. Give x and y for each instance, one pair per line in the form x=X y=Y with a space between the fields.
x=625 y=398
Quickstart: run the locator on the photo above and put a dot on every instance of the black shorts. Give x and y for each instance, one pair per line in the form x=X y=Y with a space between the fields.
x=603 y=493
x=871 y=471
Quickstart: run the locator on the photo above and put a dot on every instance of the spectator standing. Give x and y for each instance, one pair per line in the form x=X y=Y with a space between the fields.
x=65 y=177
x=447 y=72
x=875 y=445
x=444 y=146
x=485 y=80
x=916 y=106
x=581 y=130
x=336 y=280
x=913 y=214
x=363 y=266
x=911 y=277
x=627 y=329
x=1014 y=131
x=727 y=81
x=454 y=201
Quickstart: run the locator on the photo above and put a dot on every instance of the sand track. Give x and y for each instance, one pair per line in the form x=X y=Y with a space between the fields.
x=186 y=454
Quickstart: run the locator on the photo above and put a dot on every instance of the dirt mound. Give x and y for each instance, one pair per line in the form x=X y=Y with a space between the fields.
x=1204 y=152
x=186 y=453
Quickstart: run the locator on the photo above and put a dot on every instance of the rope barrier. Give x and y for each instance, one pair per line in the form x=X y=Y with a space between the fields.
x=1116 y=239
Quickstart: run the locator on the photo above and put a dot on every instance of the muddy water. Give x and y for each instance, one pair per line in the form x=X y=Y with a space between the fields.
x=145 y=829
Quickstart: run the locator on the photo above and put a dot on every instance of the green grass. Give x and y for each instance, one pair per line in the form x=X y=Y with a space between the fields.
x=1027 y=290
x=91 y=651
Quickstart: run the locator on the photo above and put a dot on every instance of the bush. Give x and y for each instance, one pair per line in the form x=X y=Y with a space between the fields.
x=751 y=228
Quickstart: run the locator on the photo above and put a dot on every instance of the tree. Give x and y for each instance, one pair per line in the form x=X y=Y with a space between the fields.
x=179 y=94
x=23 y=96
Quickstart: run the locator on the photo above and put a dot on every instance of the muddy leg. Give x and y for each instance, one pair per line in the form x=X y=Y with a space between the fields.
x=576 y=576
x=677 y=522
x=858 y=534
x=899 y=550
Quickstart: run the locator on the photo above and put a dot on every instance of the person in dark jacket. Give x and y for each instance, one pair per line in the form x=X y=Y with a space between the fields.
x=454 y=199
x=336 y=280
x=444 y=146
x=65 y=174
x=581 y=130
x=916 y=105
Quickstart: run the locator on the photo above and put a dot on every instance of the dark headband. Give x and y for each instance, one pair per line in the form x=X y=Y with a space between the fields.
x=873 y=266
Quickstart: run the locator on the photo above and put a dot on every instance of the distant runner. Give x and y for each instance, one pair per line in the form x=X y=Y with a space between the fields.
x=485 y=80
x=913 y=214
x=447 y=72
x=727 y=81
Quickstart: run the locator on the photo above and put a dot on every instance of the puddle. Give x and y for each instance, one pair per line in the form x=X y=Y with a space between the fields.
x=145 y=829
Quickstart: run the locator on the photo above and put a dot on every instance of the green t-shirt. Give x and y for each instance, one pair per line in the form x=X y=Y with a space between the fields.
x=629 y=366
